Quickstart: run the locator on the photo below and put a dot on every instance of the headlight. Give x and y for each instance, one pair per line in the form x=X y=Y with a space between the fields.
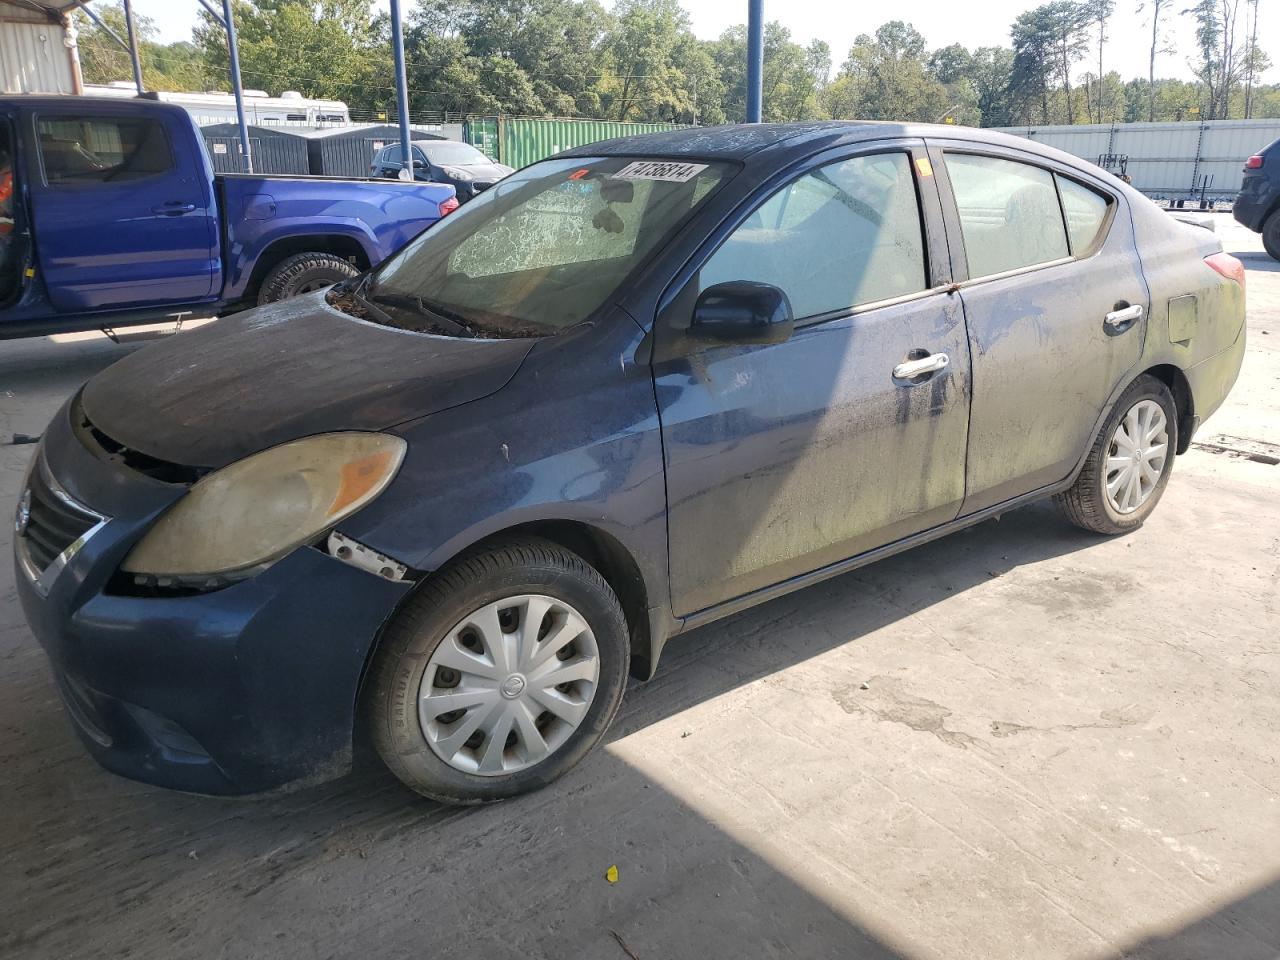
x=459 y=174
x=259 y=508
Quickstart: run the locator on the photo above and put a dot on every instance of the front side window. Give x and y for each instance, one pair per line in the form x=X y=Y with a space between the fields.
x=101 y=149
x=1009 y=213
x=846 y=234
x=546 y=247
x=1086 y=212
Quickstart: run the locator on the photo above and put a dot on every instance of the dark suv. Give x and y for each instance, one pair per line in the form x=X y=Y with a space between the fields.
x=1258 y=205
x=442 y=161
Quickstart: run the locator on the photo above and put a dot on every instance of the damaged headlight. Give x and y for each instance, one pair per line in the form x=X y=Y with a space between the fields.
x=258 y=509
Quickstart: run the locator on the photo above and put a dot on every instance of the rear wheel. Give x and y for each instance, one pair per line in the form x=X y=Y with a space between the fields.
x=1129 y=464
x=303 y=273
x=499 y=675
x=1271 y=235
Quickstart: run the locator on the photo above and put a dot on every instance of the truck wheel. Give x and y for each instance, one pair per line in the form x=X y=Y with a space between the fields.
x=303 y=273
x=499 y=674
x=1271 y=235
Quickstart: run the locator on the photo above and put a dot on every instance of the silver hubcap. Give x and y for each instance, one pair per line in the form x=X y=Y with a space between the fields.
x=1136 y=457
x=508 y=685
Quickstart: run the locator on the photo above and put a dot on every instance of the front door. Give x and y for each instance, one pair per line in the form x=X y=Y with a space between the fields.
x=782 y=459
x=1055 y=305
x=121 y=219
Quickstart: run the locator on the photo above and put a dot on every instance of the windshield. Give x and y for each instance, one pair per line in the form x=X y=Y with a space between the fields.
x=539 y=252
x=453 y=154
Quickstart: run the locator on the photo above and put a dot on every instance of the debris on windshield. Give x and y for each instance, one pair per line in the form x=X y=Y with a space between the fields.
x=351 y=303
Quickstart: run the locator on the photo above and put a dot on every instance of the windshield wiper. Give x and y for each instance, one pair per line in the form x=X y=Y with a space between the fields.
x=433 y=313
x=354 y=290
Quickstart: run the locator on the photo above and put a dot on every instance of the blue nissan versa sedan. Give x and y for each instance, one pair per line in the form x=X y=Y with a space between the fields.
x=626 y=391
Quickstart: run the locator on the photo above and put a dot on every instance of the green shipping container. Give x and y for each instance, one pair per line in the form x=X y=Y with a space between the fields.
x=482 y=133
x=522 y=141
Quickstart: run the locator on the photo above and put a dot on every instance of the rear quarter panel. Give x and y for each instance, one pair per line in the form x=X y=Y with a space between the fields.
x=379 y=215
x=1196 y=320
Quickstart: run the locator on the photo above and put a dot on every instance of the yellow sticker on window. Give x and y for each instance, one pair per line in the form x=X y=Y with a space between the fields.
x=924 y=167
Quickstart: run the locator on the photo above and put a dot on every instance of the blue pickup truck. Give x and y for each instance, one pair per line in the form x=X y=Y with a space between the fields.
x=111 y=216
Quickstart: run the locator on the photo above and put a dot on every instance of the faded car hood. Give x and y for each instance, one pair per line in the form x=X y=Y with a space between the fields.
x=284 y=371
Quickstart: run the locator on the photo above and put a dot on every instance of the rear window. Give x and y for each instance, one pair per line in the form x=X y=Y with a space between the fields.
x=101 y=149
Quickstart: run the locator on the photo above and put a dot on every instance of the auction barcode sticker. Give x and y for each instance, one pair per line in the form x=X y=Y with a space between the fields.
x=660 y=170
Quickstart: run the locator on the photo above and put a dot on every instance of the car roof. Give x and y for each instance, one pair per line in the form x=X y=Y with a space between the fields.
x=783 y=140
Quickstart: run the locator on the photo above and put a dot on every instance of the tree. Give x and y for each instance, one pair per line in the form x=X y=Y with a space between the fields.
x=992 y=75
x=793 y=77
x=1099 y=12
x=887 y=76
x=172 y=66
x=1158 y=45
x=1048 y=42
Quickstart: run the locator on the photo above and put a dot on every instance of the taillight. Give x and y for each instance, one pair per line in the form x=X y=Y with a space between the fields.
x=1254 y=162
x=1228 y=266
x=448 y=206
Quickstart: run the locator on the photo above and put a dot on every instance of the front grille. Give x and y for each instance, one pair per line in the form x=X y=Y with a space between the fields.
x=55 y=521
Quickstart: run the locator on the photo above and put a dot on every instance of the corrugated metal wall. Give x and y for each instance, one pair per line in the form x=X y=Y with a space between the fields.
x=33 y=58
x=521 y=141
x=275 y=149
x=1167 y=159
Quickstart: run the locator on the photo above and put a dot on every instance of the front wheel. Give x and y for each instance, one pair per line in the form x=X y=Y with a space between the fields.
x=500 y=674
x=1129 y=464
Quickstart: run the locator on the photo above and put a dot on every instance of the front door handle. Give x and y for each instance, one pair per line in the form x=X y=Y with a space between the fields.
x=175 y=208
x=1121 y=319
x=910 y=369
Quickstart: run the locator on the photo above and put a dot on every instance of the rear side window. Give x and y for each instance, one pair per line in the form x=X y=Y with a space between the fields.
x=101 y=149
x=1009 y=213
x=1086 y=212
x=846 y=234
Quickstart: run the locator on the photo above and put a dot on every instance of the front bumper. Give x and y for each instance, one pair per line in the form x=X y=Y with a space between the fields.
x=234 y=691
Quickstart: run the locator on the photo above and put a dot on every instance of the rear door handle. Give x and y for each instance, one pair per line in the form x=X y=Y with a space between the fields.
x=910 y=369
x=174 y=208
x=1118 y=321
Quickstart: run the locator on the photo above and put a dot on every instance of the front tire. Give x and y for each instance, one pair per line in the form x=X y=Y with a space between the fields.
x=1271 y=235
x=499 y=675
x=303 y=273
x=1129 y=463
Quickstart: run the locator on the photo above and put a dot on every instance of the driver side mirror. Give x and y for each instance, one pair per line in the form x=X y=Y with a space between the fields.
x=742 y=311
x=418 y=164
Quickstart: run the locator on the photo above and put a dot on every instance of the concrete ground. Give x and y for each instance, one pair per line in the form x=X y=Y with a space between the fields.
x=1018 y=742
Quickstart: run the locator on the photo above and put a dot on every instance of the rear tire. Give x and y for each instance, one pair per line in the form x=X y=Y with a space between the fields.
x=1101 y=500
x=303 y=273
x=1271 y=235
x=439 y=653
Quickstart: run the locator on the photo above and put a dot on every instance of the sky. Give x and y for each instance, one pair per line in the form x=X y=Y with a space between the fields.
x=974 y=24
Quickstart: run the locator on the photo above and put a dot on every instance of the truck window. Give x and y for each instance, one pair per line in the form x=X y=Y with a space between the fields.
x=101 y=149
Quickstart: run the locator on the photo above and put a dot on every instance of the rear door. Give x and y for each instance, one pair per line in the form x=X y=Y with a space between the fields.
x=1055 y=303
x=785 y=458
x=123 y=209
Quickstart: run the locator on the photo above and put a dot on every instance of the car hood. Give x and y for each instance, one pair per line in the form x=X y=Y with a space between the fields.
x=491 y=171
x=287 y=370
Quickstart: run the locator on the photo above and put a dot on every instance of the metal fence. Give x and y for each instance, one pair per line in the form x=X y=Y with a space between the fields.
x=1167 y=160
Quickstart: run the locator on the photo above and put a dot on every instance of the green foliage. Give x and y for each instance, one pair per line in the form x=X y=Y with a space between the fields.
x=639 y=60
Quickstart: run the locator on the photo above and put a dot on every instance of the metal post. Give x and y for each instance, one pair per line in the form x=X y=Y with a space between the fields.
x=755 y=59
x=133 y=47
x=234 y=53
x=402 y=86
